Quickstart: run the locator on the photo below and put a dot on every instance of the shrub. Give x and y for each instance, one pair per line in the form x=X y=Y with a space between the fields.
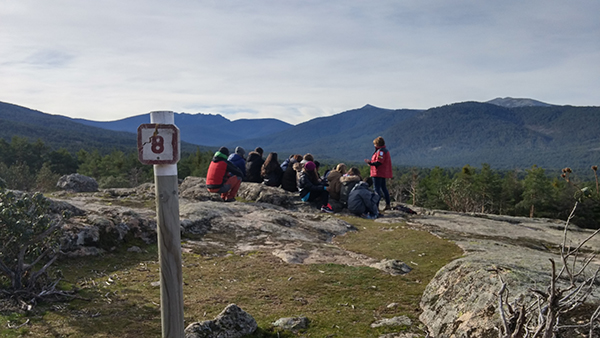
x=29 y=244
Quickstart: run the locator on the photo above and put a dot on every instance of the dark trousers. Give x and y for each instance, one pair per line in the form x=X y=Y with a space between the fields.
x=381 y=189
x=320 y=197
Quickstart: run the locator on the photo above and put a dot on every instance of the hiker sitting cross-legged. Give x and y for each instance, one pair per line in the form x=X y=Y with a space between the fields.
x=223 y=177
x=311 y=189
x=363 y=202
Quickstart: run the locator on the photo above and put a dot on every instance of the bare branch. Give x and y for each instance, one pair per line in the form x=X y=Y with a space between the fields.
x=584 y=241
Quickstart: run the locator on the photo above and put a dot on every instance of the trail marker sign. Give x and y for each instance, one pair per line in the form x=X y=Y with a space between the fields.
x=158 y=143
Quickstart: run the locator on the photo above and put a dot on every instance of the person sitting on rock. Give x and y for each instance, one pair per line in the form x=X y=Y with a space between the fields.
x=363 y=202
x=223 y=177
x=254 y=165
x=238 y=158
x=289 y=181
x=308 y=157
x=311 y=190
x=333 y=178
x=348 y=181
x=271 y=171
x=286 y=162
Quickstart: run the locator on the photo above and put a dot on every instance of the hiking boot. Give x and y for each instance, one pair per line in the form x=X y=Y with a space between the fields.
x=387 y=207
x=327 y=209
x=229 y=200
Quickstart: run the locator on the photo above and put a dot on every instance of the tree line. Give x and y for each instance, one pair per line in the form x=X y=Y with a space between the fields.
x=532 y=192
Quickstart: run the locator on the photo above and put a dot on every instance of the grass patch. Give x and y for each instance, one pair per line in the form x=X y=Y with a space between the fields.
x=340 y=301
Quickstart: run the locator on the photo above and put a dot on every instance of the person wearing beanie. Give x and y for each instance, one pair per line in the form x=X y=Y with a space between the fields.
x=223 y=177
x=311 y=189
x=254 y=165
x=238 y=159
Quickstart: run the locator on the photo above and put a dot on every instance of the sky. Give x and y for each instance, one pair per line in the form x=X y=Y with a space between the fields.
x=293 y=60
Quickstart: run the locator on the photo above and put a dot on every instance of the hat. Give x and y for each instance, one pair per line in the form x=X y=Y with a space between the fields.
x=240 y=151
x=310 y=165
x=224 y=151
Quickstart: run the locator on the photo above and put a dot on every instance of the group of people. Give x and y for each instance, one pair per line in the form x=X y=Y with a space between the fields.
x=341 y=186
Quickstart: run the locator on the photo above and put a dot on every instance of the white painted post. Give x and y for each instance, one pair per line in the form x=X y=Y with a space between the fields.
x=169 y=240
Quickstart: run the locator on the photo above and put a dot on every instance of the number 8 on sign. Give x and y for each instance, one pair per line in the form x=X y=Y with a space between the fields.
x=158 y=143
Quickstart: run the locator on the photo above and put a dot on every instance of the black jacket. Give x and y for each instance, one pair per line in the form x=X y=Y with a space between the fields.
x=253 y=165
x=273 y=179
x=289 y=182
x=305 y=185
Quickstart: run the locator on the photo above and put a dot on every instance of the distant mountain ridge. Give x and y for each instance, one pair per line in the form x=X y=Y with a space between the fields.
x=509 y=102
x=452 y=135
x=63 y=132
x=201 y=129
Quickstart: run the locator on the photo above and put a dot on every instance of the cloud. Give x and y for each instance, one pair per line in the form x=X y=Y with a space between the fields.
x=292 y=60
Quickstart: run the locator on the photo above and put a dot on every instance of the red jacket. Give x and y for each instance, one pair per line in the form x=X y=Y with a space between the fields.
x=216 y=175
x=381 y=163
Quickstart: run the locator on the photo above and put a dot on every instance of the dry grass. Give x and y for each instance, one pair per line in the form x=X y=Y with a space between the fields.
x=340 y=301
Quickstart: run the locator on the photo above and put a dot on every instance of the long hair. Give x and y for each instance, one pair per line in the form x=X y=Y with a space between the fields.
x=313 y=176
x=271 y=164
x=354 y=172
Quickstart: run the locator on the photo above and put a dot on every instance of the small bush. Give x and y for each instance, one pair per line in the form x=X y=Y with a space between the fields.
x=114 y=182
x=29 y=244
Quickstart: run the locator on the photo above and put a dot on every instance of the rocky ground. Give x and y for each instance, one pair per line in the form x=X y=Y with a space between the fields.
x=461 y=299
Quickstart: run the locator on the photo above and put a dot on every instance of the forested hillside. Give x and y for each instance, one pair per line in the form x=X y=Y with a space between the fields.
x=59 y=132
x=454 y=135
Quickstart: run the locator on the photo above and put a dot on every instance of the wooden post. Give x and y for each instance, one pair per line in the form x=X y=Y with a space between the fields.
x=169 y=241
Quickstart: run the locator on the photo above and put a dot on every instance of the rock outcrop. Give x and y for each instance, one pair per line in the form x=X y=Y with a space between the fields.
x=77 y=183
x=233 y=322
x=461 y=300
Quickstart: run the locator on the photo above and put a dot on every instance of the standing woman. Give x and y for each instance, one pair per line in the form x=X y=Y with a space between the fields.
x=381 y=168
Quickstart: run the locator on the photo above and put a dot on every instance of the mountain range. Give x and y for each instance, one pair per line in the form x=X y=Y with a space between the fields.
x=506 y=133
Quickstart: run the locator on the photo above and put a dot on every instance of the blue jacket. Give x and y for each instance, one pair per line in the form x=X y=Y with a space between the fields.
x=239 y=162
x=362 y=200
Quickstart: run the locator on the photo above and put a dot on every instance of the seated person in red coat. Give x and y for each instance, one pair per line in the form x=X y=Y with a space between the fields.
x=223 y=177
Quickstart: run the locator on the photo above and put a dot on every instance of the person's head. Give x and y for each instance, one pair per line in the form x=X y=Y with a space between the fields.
x=311 y=171
x=259 y=150
x=368 y=180
x=240 y=151
x=353 y=171
x=271 y=163
x=272 y=157
x=224 y=151
x=317 y=164
x=298 y=158
x=308 y=157
x=310 y=166
x=341 y=168
x=379 y=142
